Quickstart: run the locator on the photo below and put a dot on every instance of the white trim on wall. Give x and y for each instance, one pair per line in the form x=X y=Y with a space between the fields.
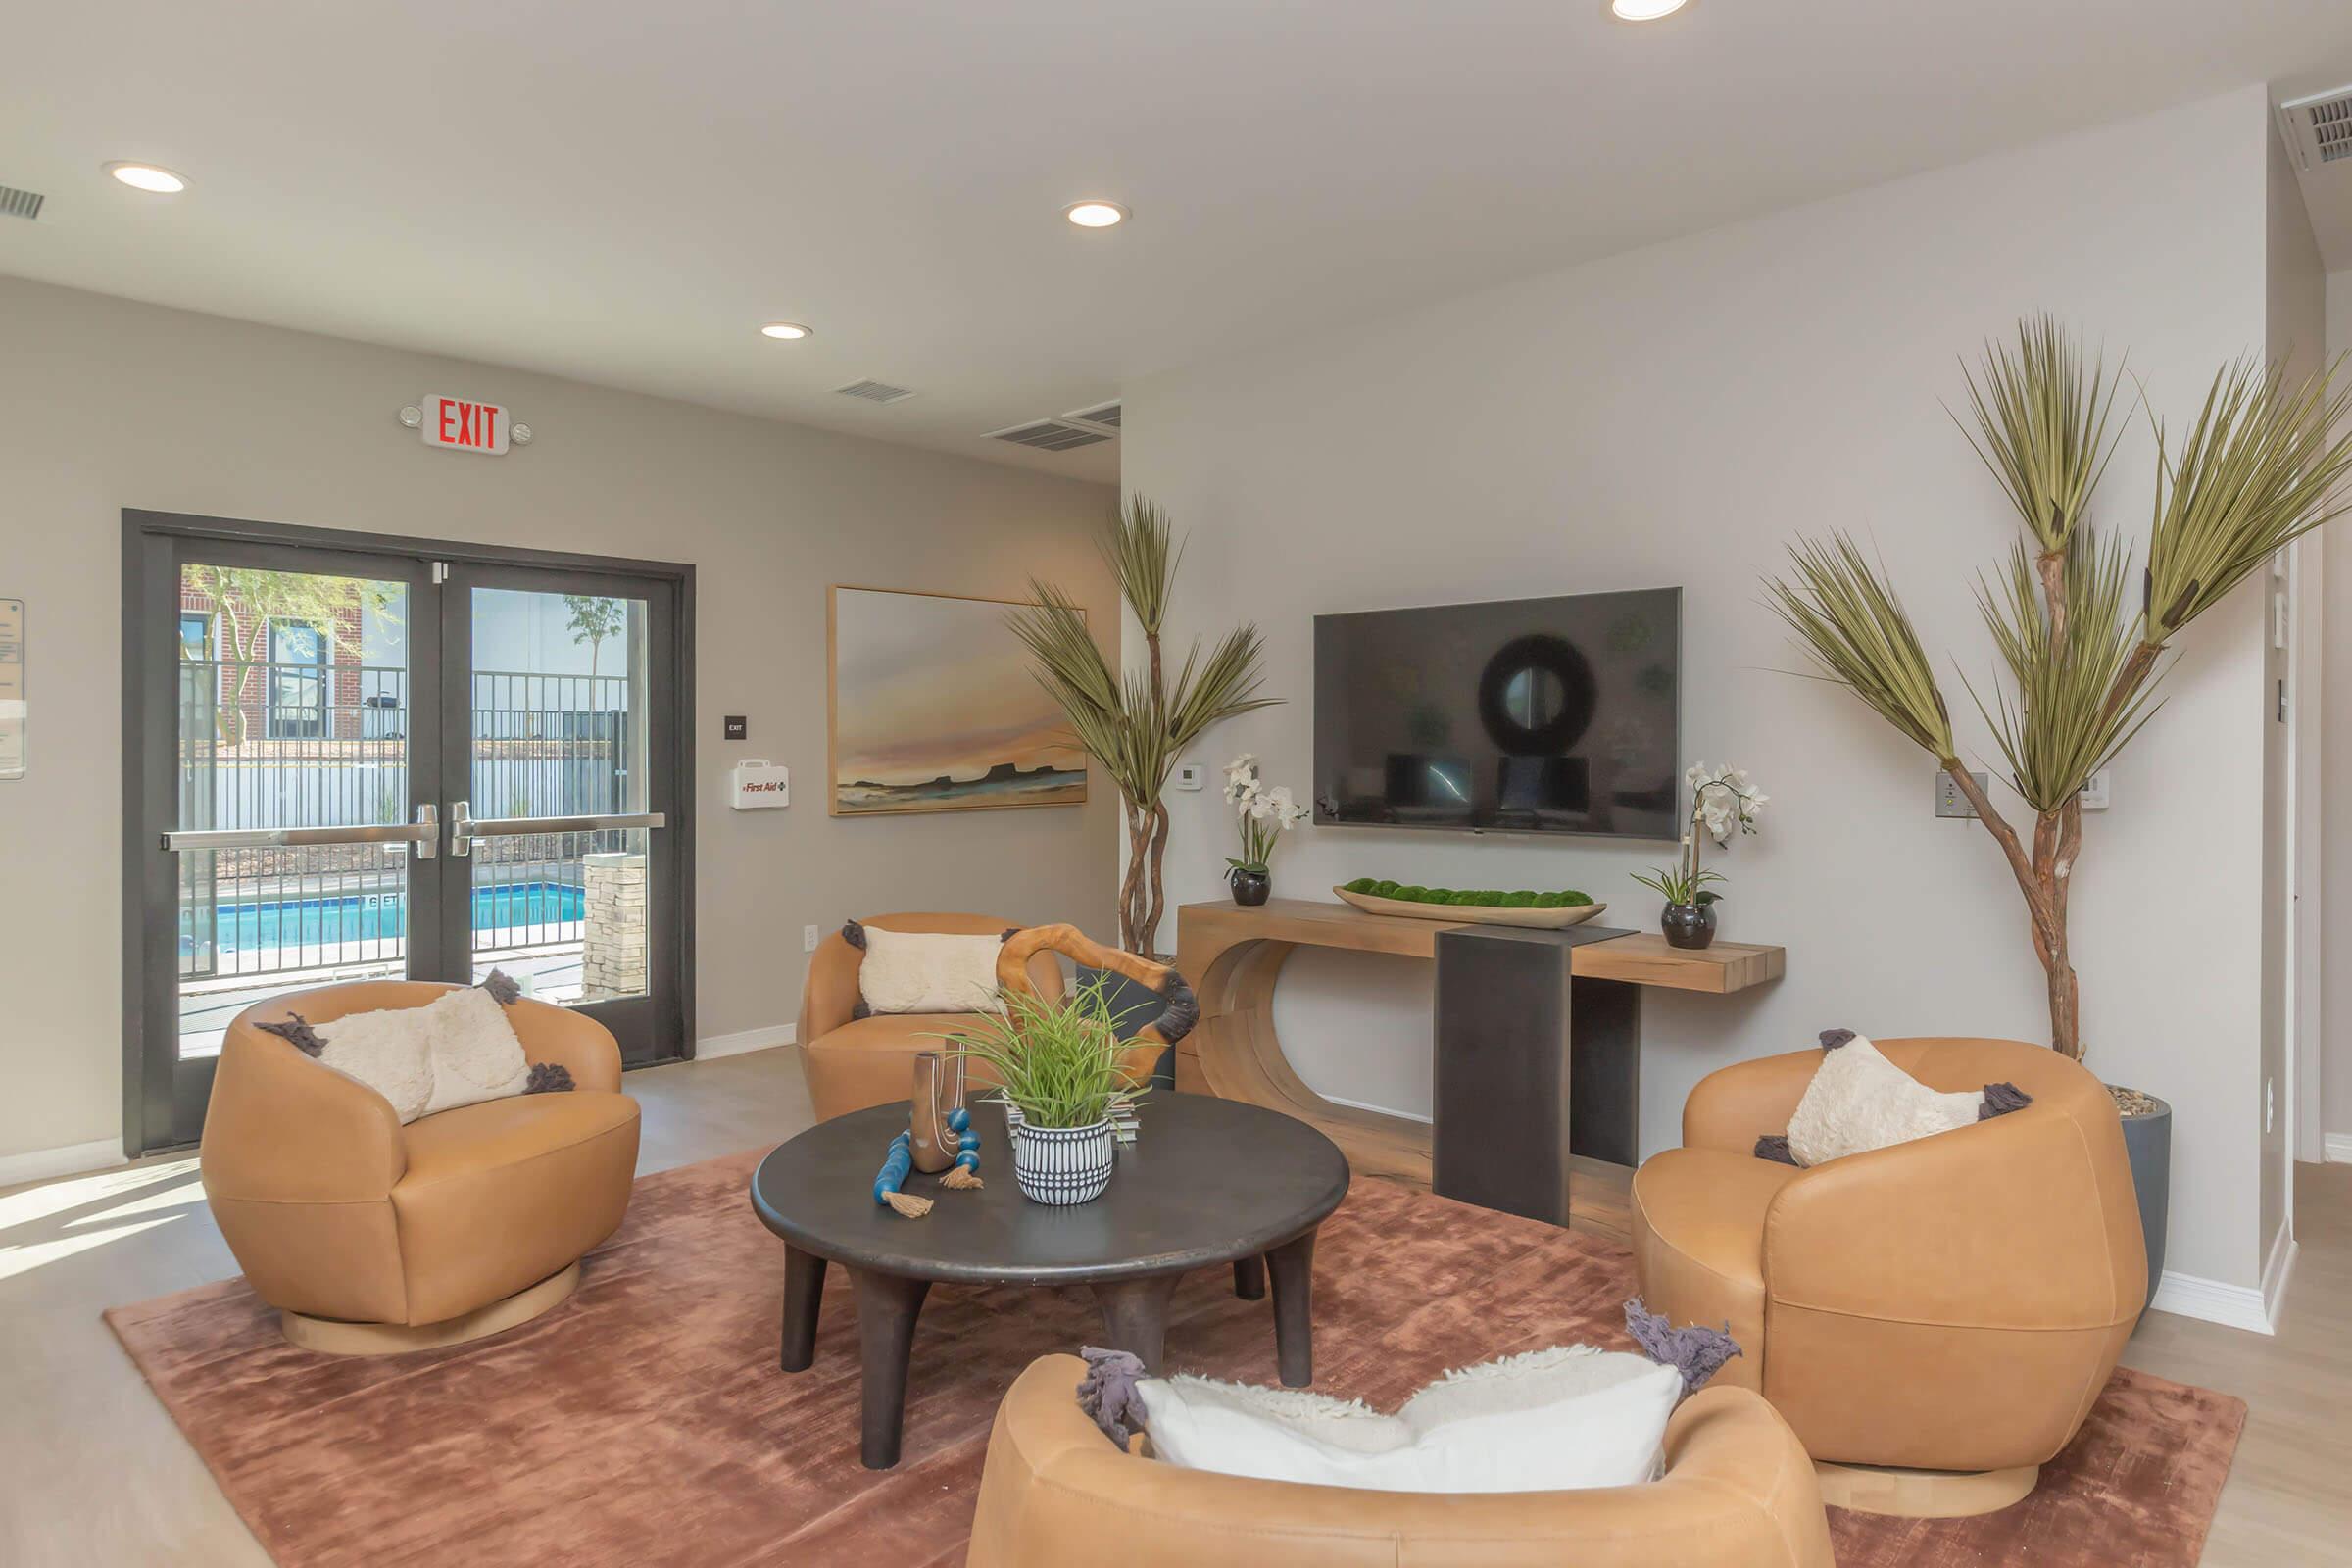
x=712 y=1046
x=2338 y=1148
x=68 y=1159
x=2235 y=1306
x=2254 y=1308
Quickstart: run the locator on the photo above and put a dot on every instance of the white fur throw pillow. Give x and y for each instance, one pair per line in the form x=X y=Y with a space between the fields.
x=475 y=1052
x=457 y=1050
x=1546 y=1421
x=925 y=971
x=1859 y=1100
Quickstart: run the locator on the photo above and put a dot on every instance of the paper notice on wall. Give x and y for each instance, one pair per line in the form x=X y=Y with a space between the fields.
x=12 y=688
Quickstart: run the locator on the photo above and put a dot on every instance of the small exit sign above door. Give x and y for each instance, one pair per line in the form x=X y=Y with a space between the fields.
x=463 y=425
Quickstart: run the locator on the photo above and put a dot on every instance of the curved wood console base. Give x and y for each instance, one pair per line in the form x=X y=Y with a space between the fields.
x=1924 y=1494
x=1234 y=957
x=333 y=1336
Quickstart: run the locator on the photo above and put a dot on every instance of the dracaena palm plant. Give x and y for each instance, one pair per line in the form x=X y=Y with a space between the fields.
x=1136 y=722
x=2083 y=654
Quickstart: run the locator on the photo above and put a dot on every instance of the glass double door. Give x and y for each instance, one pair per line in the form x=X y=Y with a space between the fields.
x=361 y=766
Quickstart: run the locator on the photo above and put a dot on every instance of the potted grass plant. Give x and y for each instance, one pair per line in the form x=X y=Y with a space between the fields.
x=1059 y=1073
x=1137 y=723
x=2084 y=653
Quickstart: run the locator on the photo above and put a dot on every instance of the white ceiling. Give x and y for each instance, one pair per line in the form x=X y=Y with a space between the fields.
x=623 y=190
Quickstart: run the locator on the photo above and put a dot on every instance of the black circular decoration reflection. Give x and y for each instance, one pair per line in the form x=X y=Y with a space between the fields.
x=1536 y=695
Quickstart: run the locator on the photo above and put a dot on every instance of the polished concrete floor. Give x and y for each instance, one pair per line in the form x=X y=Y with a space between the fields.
x=92 y=1471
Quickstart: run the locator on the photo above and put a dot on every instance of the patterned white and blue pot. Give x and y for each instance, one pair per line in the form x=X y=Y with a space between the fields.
x=1062 y=1164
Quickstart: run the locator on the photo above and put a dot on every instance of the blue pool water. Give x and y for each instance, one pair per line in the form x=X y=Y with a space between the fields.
x=372 y=917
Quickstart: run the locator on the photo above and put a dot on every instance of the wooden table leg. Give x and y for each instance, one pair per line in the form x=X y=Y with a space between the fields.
x=1250 y=1278
x=804 y=1289
x=1292 y=1266
x=887 y=1307
x=1135 y=1316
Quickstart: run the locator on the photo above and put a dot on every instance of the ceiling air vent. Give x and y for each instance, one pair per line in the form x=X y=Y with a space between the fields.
x=14 y=203
x=1049 y=435
x=2319 y=129
x=876 y=391
x=1105 y=415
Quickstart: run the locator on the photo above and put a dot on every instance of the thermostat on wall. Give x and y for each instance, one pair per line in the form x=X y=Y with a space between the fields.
x=761 y=785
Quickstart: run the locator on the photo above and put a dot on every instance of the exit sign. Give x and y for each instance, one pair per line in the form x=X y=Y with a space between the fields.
x=463 y=426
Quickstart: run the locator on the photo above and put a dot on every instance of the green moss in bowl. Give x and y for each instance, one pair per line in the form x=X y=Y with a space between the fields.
x=1480 y=899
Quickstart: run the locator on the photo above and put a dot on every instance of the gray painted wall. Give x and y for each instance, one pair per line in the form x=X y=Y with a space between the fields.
x=106 y=403
x=1674 y=415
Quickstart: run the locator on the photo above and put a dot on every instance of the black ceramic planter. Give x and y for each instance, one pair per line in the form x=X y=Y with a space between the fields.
x=2148 y=1141
x=1250 y=888
x=1687 y=925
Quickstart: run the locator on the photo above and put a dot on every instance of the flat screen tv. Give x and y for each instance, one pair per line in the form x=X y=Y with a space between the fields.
x=1525 y=716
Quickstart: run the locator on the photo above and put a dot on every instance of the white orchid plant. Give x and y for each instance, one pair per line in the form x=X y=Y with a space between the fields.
x=1722 y=802
x=1266 y=812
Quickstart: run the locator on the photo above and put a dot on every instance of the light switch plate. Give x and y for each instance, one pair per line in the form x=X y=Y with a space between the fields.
x=808 y=939
x=1191 y=776
x=2094 y=792
x=1950 y=801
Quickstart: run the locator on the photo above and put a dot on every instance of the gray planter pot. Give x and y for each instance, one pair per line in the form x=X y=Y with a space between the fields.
x=2149 y=1140
x=1133 y=1005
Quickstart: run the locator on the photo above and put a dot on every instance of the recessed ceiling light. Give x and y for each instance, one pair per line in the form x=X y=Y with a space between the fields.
x=149 y=178
x=1095 y=215
x=787 y=331
x=1645 y=9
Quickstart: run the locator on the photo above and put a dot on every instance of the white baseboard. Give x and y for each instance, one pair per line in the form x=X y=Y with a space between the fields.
x=2254 y=1308
x=72 y=1159
x=2235 y=1306
x=2338 y=1148
x=2277 y=1270
x=1383 y=1110
x=712 y=1046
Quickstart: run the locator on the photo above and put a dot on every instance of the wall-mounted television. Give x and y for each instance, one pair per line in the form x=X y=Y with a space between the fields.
x=1524 y=715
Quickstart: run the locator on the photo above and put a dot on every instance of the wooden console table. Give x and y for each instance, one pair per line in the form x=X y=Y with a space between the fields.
x=1535 y=1067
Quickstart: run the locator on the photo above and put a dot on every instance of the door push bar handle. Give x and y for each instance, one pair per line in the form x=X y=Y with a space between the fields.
x=465 y=827
x=421 y=836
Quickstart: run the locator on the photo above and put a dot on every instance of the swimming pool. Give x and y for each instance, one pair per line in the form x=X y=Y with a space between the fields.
x=527 y=909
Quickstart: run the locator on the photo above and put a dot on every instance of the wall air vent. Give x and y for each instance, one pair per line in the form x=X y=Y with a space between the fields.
x=2318 y=128
x=876 y=391
x=14 y=203
x=1105 y=415
x=1049 y=435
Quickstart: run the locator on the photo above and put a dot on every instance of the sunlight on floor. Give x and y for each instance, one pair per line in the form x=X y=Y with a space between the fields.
x=16 y=1260
x=55 y=1198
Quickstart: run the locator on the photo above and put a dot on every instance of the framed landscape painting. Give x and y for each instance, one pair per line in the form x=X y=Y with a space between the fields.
x=934 y=710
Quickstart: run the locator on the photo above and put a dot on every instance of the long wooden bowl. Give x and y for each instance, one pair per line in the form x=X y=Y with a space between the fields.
x=1474 y=913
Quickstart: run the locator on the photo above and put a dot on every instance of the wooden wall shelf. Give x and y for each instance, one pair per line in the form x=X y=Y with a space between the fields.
x=1234 y=957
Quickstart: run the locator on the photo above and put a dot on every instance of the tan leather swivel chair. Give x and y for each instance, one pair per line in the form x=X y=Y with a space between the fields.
x=371 y=1237
x=852 y=1062
x=1949 y=1307
x=1737 y=1494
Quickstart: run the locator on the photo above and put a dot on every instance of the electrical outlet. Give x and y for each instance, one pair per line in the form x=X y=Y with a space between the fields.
x=1191 y=776
x=1950 y=801
x=808 y=939
x=2094 y=792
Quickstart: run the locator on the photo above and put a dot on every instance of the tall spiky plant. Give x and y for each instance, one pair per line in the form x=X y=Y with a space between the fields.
x=2262 y=466
x=1136 y=722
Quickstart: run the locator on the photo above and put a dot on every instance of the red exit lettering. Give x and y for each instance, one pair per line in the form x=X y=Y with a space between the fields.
x=463 y=425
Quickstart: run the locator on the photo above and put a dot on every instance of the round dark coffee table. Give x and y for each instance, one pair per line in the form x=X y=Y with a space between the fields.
x=1207 y=1182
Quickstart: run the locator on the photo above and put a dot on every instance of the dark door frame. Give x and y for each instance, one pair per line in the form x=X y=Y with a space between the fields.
x=150 y=543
